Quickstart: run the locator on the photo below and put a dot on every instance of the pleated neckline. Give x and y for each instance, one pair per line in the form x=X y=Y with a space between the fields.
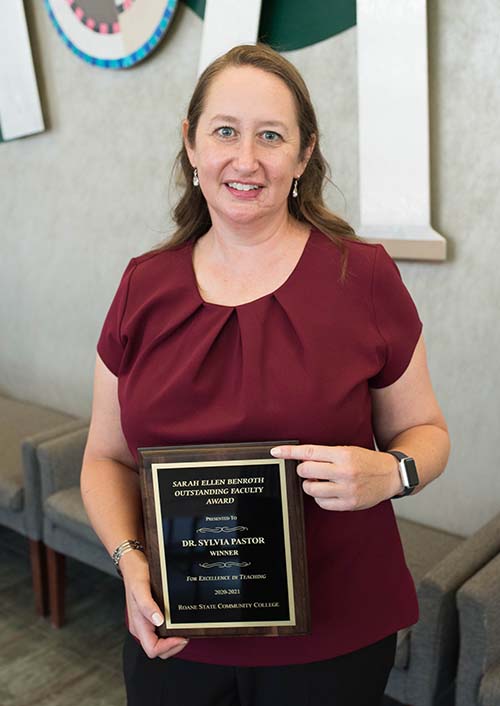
x=229 y=307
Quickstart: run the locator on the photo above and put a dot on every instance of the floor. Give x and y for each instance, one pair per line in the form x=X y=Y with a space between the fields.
x=78 y=664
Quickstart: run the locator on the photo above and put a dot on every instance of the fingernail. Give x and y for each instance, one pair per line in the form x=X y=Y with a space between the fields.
x=157 y=619
x=276 y=451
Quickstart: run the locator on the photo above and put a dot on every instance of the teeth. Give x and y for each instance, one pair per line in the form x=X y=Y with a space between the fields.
x=242 y=187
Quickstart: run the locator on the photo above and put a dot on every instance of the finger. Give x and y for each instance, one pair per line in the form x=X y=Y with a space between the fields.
x=320 y=489
x=154 y=646
x=308 y=452
x=337 y=504
x=146 y=635
x=317 y=470
x=144 y=630
x=173 y=651
x=147 y=606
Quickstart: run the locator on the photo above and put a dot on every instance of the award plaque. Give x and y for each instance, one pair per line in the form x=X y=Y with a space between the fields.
x=225 y=540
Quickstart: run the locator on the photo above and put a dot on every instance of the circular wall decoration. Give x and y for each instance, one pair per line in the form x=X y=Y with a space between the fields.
x=113 y=34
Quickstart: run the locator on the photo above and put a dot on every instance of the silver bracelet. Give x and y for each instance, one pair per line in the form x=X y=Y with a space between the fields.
x=127 y=546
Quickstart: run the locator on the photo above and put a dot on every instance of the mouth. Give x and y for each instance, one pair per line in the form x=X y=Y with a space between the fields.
x=241 y=186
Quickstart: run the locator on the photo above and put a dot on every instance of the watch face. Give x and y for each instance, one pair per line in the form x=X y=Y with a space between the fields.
x=411 y=472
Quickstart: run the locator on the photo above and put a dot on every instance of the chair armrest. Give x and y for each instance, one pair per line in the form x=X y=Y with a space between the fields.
x=479 y=613
x=60 y=461
x=489 y=692
x=434 y=639
x=31 y=472
x=469 y=557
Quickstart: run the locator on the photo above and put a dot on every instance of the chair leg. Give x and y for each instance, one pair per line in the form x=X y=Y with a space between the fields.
x=39 y=576
x=56 y=572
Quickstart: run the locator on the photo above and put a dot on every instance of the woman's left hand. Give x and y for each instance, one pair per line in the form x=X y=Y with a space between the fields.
x=358 y=478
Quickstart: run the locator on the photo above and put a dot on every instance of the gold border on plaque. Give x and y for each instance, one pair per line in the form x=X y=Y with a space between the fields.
x=155 y=467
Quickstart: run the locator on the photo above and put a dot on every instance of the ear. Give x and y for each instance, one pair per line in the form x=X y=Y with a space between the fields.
x=188 y=146
x=307 y=155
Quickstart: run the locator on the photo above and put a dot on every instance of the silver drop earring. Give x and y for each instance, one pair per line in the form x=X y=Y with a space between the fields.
x=196 y=181
x=295 y=191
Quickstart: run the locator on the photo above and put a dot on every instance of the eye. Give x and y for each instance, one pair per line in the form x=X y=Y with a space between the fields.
x=271 y=136
x=225 y=131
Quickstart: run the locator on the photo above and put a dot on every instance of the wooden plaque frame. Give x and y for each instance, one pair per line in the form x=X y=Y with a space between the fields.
x=174 y=484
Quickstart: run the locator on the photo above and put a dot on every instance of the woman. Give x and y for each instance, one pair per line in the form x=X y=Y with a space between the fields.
x=266 y=318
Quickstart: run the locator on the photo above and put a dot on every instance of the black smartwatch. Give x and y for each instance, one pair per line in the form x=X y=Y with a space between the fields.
x=407 y=471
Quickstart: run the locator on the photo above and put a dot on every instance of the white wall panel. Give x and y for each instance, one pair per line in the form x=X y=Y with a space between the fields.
x=228 y=23
x=394 y=121
x=20 y=112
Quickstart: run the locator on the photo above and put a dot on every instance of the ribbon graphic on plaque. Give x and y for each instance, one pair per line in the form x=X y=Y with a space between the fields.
x=226 y=544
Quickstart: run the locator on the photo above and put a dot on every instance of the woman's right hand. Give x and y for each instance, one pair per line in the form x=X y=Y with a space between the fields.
x=143 y=611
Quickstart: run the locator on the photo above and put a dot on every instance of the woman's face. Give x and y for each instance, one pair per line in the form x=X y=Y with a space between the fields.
x=247 y=146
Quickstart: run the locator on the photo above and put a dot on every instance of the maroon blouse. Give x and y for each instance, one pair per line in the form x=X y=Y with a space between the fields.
x=294 y=364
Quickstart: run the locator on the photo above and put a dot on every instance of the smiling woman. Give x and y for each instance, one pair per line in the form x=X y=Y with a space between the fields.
x=273 y=107
x=245 y=167
x=264 y=317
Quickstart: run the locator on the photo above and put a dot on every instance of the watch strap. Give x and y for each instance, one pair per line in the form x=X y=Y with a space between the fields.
x=398 y=454
x=407 y=489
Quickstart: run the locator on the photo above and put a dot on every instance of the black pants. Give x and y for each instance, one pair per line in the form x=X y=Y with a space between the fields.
x=355 y=679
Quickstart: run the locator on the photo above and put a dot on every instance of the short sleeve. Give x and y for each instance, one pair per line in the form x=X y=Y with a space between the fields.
x=396 y=319
x=111 y=343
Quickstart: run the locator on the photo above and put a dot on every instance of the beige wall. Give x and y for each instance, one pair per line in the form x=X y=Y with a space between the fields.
x=79 y=200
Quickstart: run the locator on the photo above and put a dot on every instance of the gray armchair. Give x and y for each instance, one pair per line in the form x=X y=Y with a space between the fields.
x=23 y=426
x=427 y=654
x=478 y=677
x=66 y=527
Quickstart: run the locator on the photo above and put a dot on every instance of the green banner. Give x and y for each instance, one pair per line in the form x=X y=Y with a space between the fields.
x=293 y=24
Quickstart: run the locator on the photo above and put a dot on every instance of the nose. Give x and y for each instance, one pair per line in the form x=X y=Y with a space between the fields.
x=246 y=156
